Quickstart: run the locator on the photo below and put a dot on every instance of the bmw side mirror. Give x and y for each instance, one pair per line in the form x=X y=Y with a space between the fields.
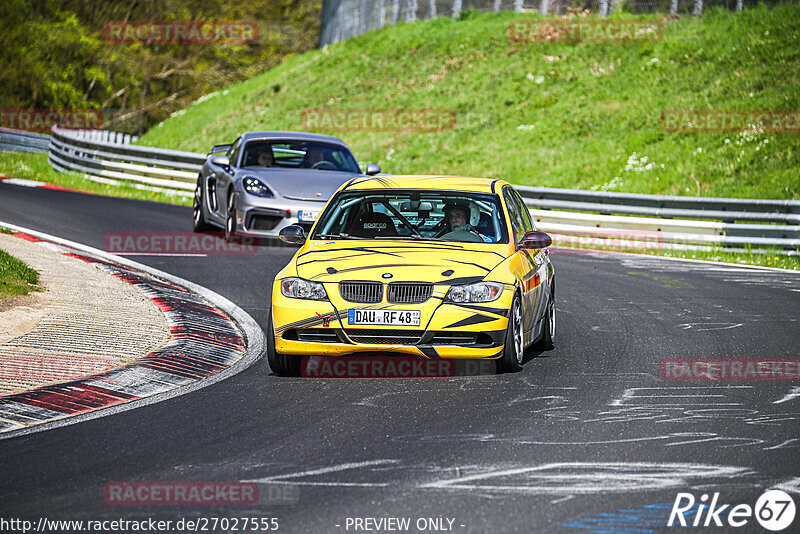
x=535 y=240
x=293 y=234
x=372 y=169
x=221 y=161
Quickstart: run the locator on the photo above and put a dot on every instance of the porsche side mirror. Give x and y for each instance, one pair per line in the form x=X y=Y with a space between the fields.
x=535 y=240
x=221 y=161
x=293 y=234
x=372 y=169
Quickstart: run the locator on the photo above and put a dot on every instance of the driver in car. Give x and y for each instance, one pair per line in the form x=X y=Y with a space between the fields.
x=265 y=158
x=458 y=215
x=314 y=156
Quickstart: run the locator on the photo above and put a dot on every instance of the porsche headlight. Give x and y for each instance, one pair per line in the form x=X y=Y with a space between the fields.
x=256 y=187
x=480 y=292
x=297 y=288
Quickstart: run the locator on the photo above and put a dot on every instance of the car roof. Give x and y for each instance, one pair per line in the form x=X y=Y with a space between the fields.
x=435 y=182
x=299 y=136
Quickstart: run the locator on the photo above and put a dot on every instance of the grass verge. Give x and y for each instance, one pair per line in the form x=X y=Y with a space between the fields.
x=16 y=278
x=579 y=116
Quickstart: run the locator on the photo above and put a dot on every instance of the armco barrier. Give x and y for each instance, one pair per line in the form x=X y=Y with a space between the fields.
x=678 y=221
x=22 y=141
x=87 y=153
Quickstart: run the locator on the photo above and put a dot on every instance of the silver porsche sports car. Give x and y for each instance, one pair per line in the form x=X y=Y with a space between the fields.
x=266 y=181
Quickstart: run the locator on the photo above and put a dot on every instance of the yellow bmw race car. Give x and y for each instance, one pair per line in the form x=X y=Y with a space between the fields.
x=430 y=266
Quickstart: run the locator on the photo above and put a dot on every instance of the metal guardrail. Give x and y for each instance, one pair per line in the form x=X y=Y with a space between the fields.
x=22 y=141
x=635 y=220
x=577 y=217
x=722 y=209
x=110 y=157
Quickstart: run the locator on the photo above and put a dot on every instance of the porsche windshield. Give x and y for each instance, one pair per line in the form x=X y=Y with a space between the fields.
x=299 y=155
x=392 y=214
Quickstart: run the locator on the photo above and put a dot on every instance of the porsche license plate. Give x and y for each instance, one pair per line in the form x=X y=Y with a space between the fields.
x=307 y=216
x=384 y=317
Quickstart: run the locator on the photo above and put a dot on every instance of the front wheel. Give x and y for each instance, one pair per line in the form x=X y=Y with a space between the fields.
x=279 y=363
x=511 y=360
x=199 y=223
x=230 y=220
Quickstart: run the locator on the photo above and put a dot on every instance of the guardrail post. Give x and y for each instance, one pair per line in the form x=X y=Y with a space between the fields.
x=411 y=11
x=497 y=4
x=698 y=8
x=431 y=9
x=395 y=11
x=544 y=6
x=605 y=7
x=739 y=5
x=518 y=5
x=381 y=21
x=456 y=8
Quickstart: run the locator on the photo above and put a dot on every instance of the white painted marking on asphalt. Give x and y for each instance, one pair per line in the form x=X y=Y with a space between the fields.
x=707 y=327
x=793 y=394
x=789 y=443
x=177 y=254
x=677 y=393
x=791 y=485
x=590 y=477
x=282 y=479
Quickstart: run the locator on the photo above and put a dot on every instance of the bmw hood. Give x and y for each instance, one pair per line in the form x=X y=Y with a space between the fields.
x=385 y=261
x=301 y=184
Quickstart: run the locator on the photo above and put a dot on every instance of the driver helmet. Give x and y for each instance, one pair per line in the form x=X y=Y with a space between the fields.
x=472 y=211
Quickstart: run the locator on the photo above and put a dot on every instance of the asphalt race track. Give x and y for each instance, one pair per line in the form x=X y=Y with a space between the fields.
x=588 y=437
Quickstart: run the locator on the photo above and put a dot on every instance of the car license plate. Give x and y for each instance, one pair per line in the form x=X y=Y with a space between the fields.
x=307 y=216
x=384 y=317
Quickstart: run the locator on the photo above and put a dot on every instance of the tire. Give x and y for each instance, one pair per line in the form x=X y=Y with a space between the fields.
x=280 y=364
x=230 y=219
x=546 y=341
x=514 y=351
x=199 y=223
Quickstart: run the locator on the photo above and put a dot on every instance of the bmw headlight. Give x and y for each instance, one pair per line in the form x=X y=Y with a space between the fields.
x=256 y=187
x=480 y=292
x=297 y=288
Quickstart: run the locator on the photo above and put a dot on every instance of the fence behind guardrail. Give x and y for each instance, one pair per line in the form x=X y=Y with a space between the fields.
x=342 y=19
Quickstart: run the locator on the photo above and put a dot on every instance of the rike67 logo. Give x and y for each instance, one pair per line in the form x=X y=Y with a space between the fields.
x=774 y=510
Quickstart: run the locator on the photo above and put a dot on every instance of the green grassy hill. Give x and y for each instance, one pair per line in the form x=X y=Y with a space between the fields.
x=561 y=115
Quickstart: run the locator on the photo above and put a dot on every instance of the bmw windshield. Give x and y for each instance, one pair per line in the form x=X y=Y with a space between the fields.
x=413 y=214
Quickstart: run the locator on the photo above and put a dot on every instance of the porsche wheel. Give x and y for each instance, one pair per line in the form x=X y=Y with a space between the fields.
x=280 y=364
x=511 y=360
x=199 y=223
x=230 y=220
